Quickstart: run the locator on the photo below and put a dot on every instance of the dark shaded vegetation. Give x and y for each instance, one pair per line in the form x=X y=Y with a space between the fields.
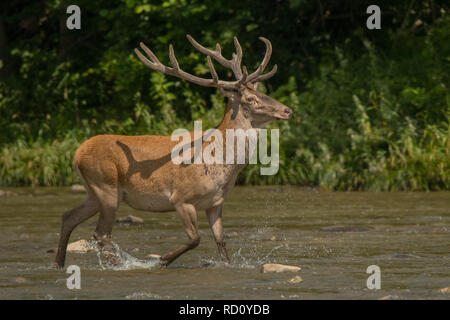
x=372 y=107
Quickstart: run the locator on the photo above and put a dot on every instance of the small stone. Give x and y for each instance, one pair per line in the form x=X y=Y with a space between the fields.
x=52 y=250
x=77 y=188
x=273 y=238
x=135 y=250
x=296 y=279
x=444 y=290
x=152 y=256
x=20 y=280
x=80 y=246
x=275 y=267
x=130 y=221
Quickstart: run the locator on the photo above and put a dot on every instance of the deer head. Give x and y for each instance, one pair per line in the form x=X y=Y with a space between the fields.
x=257 y=107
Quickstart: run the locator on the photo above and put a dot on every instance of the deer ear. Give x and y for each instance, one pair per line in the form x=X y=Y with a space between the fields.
x=230 y=94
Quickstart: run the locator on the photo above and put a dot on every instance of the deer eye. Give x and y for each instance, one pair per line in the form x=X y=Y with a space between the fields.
x=251 y=99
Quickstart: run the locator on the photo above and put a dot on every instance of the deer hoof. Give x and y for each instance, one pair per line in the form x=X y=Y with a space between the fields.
x=163 y=263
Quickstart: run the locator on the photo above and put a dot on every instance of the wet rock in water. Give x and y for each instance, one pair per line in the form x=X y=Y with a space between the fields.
x=275 y=267
x=296 y=279
x=20 y=280
x=130 y=221
x=444 y=290
x=346 y=229
x=80 y=246
x=77 y=188
x=153 y=259
x=152 y=256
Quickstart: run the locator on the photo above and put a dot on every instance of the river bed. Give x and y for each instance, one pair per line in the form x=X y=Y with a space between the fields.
x=332 y=236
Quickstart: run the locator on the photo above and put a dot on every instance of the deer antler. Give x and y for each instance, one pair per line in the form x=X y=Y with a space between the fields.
x=154 y=64
x=234 y=64
x=257 y=76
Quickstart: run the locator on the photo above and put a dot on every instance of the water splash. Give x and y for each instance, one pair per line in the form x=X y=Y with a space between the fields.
x=120 y=260
x=255 y=259
x=252 y=260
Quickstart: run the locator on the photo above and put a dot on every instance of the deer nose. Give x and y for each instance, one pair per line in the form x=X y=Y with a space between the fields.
x=288 y=112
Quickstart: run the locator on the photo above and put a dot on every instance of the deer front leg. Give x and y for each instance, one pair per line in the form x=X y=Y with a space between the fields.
x=188 y=216
x=215 y=222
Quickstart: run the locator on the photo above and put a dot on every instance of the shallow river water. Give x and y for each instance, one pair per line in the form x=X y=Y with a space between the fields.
x=332 y=236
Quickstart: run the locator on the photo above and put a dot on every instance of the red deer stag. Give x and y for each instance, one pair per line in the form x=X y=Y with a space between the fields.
x=139 y=170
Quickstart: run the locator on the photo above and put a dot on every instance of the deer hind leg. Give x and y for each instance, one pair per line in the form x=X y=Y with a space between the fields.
x=214 y=215
x=103 y=184
x=70 y=220
x=108 y=198
x=188 y=216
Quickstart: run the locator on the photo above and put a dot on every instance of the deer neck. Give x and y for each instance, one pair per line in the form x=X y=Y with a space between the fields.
x=234 y=118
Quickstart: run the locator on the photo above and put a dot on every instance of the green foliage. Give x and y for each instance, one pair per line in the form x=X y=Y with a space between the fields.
x=38 y=163
x=371 y=108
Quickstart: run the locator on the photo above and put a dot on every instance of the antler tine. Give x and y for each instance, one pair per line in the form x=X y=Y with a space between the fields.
x=217 y=55
x=148 y=52
x=245 y=75
x=212 y=70
x=256 y=76
x=173 y=59
x=237 y=59
x=143 y=58
x=265 y=76
x=234 y=64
